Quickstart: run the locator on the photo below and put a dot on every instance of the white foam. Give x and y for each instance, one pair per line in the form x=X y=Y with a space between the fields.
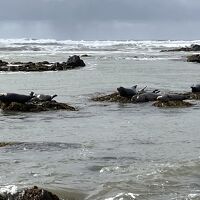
x=10 y=189
x=121 y=196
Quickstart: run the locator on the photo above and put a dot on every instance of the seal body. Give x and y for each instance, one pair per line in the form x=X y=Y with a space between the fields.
x=127 y=92
x=172 y=97
x=43 y=97
x=14 y=97
x=145 y=97
x=196 y=88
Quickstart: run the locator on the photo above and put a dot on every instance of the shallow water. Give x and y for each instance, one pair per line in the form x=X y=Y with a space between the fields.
x=105 y=150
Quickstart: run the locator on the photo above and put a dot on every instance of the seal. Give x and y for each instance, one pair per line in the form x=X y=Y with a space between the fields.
x=14 y=97
x=172 y=97
x=43 y=97
x=145 y=97
x=195 y=88
x=127 y=92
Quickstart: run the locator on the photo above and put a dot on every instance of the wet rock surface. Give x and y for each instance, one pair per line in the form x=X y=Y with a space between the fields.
x=36 y=106
x=33 y=193
x=72 y=63
x=75 y=61
x=172 y=104
x=194 y=58
x=3 y=144
x=193 y=47
x=194 y=95
x=114 y=97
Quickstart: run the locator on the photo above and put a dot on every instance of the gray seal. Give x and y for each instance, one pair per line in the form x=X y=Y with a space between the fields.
x=43 y=97
x=172 y=97
x=14 y=97
x=196 y=88
x=127 y=92
x=145 y=97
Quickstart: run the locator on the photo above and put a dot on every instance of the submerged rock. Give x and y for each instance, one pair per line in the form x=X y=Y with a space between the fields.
x=3 y=144
x=194 y=58
x=35 y=106
x=172 y=104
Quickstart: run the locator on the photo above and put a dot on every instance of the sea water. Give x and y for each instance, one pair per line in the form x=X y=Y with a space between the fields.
x=103 y=151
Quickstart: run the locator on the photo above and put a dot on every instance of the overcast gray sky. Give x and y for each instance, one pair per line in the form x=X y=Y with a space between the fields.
x=100 y=19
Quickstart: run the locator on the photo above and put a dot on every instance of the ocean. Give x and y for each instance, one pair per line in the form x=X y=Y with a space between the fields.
x=103 y=151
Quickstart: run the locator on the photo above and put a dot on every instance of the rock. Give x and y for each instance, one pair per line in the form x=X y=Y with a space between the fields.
x=114 y=97
x=35 y=106
x=3 y=144
x=193 y=47
x=172 y=104
x=85 y=55
x=3 y=63
x=33 y=193
x=36 y=193
x=194 y=96
x=40 y=66
x=194 y=58
x=75 y=61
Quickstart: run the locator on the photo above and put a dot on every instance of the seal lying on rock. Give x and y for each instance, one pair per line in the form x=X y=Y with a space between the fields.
x=127 y=92
x=145 y=97
x=172 y=97
x=14 y=97
x=196 y=88
x=43 y=97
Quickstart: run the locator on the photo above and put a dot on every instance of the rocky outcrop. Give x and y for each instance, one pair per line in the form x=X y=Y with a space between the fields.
x=35 y=106
x=75 y=61
x=114 y=97
x=172 y=104
x=33 y=193
x=72 y=62
x=194 y=58
x=193 y=47
x=194 y=96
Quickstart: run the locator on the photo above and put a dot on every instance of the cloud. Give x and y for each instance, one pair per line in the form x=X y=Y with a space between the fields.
x=79 y=19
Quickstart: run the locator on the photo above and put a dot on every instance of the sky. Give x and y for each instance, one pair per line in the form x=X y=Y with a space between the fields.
x=100 y=19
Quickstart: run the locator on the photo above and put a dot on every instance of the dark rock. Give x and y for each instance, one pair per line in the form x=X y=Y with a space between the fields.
x=194 y=95
x=3 y=63
x=4 y=68
x=85 y=55
x=193 y=47
x=36 y=193
x=35 y=106
x=33 y=193
x=3 y=144
x=114 y=97
x=75 y=61
x=44 y=62
x=39 y=66
x=194 y=58
x=172 y=104
x=13 y=68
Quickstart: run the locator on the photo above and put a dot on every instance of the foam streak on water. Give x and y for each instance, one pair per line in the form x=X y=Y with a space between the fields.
x=104 y=150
